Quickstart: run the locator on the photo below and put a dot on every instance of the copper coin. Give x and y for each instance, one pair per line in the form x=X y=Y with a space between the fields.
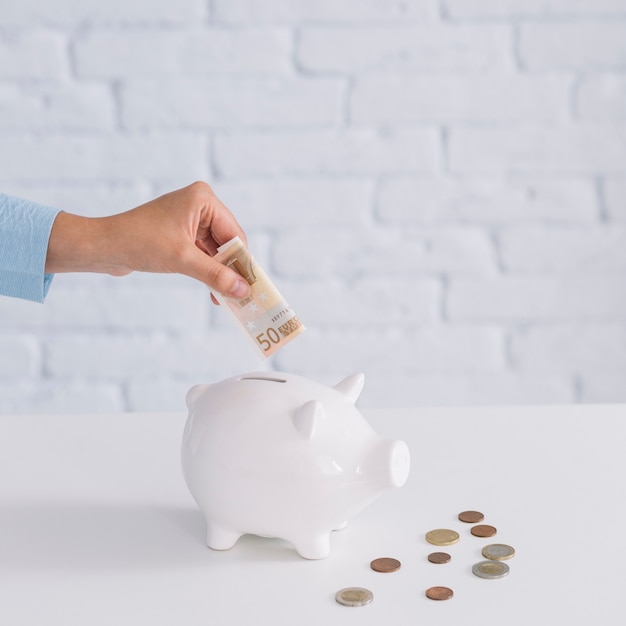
x=483 y=530
x=442 y=537
x=354 y=596
x=471 y=517
x=439 y=557
x=385 y=565
x=439 y=593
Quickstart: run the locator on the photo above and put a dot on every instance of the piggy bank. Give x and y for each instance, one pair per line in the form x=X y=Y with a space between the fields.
x=279 y=455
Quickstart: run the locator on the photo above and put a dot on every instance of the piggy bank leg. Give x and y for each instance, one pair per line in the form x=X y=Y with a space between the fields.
x=313 y=546
x=220 y=538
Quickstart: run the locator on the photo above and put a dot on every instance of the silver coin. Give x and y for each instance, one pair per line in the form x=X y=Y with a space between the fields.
x=498 y=552
x=490 y=569
x=354 y=596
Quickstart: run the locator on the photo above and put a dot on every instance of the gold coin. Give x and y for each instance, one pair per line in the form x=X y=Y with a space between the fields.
x=442 y=537
x=385 y=565
x=439 y=593
x=354 y=596
x=498 y=552
x=490 y=569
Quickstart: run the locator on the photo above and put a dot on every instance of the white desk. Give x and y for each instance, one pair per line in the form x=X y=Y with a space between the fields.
x=97 y=526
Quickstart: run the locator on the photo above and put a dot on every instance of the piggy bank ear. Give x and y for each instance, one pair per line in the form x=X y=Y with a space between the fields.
x=193 y=394
x=307 y=417
x=351 y=387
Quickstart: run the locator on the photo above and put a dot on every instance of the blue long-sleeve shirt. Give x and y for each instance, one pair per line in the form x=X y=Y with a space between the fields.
x=24 y=234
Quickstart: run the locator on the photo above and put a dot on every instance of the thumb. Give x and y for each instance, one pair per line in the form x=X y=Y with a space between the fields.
x=222 y=279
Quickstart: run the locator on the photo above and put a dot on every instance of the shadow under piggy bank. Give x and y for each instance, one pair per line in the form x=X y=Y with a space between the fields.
x=279 y=455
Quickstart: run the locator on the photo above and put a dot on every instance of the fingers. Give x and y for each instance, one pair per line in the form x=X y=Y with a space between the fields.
x=222 y=279
x=217 y=225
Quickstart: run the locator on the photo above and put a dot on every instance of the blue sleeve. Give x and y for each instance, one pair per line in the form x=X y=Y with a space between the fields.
x=24 y=234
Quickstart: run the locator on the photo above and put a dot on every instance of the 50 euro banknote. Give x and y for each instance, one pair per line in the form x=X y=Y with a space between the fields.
x=263 y=314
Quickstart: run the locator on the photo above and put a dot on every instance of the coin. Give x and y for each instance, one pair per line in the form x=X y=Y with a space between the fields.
x=442 y=537
x=439 y=557
x=483 y=530
x=498 y=552
x=385 y=565
x=490 y=569
x=439 y=593
x=471 y=517
x=354 y=596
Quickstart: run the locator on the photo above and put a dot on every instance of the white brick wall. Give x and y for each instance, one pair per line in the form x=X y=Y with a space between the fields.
x=437 y=186
x=588 y=45
x=432 y=48
x=506 y=9
x=108 y=156
x=329 y=11
x=346 y=152
x=206 y=103
x=489 y=97
x=579 y=149
x=34 y=54
x=602 y=97
x=147 y=52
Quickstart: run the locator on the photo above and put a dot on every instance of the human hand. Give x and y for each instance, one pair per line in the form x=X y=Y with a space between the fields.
x=175 y=233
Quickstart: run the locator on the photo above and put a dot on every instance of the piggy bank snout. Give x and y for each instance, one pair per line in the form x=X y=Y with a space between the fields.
x=392 y=463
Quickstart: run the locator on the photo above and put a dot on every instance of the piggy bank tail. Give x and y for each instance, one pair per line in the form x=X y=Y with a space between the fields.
x=193 y=394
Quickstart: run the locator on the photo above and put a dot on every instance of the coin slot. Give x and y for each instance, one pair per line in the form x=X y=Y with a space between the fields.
x=270 y=379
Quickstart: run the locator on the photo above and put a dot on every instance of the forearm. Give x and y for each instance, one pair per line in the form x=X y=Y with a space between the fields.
x=83 y=244
x=178 y=232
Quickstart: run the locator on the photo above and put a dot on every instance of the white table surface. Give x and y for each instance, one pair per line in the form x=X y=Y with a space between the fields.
x=97 y=526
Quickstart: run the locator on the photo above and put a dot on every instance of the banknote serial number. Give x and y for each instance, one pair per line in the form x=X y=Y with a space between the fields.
x=280 y=314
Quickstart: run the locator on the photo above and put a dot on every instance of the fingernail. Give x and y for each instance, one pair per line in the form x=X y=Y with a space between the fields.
x=240 y=289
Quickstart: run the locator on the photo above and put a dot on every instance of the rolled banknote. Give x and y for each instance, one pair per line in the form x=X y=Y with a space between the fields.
x=263 y=314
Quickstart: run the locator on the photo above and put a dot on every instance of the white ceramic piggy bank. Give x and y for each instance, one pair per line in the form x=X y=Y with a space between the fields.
x=279 y=455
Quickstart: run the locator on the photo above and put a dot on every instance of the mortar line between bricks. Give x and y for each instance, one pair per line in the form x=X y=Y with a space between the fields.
x=494 y=236
x=600 y=189
x=443 y=300
x=578 y=388
x=516 y=52
x=574 y=96
x=345 y=117
x=442 y=11
x=507 y=346
x=124 y=390
x=551 y=19
x=444 y=151
x=116 y=87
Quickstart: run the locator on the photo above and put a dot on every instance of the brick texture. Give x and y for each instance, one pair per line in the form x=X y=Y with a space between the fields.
x=438 y=187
